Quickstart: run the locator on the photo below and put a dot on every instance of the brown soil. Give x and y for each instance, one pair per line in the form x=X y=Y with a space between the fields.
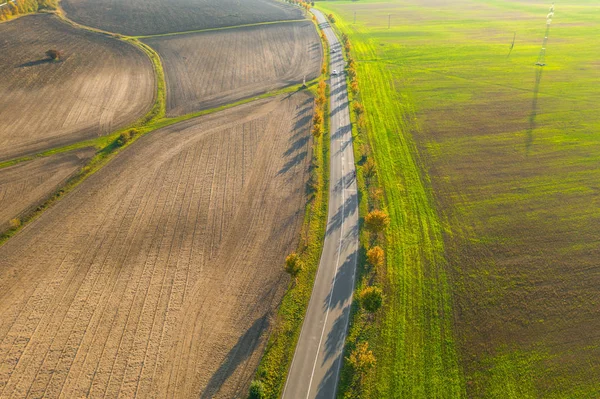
x=150 y=17
x=209 y=69
x=157 y=276
x=100 y=84
x=26 y=185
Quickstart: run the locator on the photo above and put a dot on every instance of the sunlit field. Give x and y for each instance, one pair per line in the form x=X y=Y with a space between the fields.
x=490 y=172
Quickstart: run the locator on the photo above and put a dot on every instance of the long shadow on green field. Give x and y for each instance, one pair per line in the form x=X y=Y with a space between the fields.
x=534 y=109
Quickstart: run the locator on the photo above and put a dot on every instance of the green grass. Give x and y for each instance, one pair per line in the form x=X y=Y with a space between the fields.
x=491 y=195
x=414 y=347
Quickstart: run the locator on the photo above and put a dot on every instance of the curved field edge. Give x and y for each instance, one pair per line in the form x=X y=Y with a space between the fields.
x=281 y=345
x=159 y=106
x=414 y=343
x=108 y=146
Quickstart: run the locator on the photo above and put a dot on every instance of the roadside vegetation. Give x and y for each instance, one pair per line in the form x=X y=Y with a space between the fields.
x=286 y=326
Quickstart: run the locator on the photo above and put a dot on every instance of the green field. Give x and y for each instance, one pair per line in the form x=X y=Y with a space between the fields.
x=490 y=171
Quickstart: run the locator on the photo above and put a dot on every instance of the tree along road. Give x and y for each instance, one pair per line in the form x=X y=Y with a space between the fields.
x=316 y=364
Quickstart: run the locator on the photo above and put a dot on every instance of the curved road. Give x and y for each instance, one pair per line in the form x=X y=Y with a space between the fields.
x=319 y=353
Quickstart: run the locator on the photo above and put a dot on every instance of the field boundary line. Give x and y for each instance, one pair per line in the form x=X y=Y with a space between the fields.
x=219 y=29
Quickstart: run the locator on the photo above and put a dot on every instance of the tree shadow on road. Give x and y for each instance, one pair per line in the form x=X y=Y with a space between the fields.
x=326 y=389
x=338 y=296
x=343 y=212
x=335 y=339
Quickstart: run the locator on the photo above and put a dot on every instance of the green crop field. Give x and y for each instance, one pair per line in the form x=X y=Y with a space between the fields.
x=489 y=166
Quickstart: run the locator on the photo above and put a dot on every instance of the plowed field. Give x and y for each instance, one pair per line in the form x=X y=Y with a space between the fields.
x=157 y=276
x=100 y=84
x=149 y=17
x=26 y=185
x=205 y=70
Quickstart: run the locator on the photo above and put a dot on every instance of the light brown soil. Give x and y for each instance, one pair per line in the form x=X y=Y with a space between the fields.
x=100 y=85
x=209 y=69
x=157 y=276
x=150 y=17
x=26 y=185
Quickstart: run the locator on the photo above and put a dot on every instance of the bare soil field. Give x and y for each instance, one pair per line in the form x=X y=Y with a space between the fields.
x=26 y=185
x=99 y=85
x=150 y=17
x=158 y=275
x=209 y=69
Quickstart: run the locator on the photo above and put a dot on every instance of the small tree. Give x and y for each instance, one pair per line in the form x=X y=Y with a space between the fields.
x=125 y=137
x=371 y=299
x=375 y=256
x=257 y=390
x=318 y=117
x=376 y=221
x=54 y=55
x=317 y=130
x=358 y=107
x=293 y=265
x=15 y=223
x=361 y=359
x=369 y=168
x=354 y=87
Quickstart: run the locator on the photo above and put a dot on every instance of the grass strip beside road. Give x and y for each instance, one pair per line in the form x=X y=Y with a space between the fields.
x=414 y=345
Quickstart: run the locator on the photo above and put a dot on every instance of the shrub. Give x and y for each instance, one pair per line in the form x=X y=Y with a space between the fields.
x=54 y=55
x=376 y=221
x=257 y=390
x=369 y=168
x=15 y=223
x=317 y=130
x=293 y=265
x=358 y=107
x=375 y=256
x=371 y=299
x=361 y=359
x=318 y=117
x=125 y=137
x=354 y=87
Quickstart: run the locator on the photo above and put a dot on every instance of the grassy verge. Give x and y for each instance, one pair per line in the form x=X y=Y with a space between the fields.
x=363 y=325
x=413 y=342
x=279 y=352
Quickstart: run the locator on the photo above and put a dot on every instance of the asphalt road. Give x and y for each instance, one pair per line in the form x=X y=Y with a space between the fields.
x=316 y=365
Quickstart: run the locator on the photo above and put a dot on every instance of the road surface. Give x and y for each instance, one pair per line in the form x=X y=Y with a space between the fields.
x=316 y=365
